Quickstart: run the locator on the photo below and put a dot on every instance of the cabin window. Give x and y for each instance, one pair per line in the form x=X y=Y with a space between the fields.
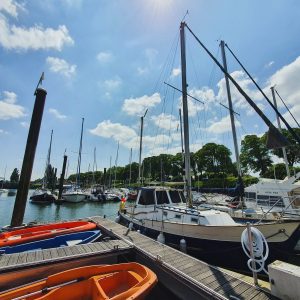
x=263 y=197
x=162 y=197
x=250 y=196
x=194 y=220
x=277 y=200
x=178 y=216
x=175 y=197
x=165 y=213
x=182 y=197
x=147 y=197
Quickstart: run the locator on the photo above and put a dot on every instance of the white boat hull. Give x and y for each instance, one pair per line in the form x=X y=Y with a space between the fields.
x=74 y=197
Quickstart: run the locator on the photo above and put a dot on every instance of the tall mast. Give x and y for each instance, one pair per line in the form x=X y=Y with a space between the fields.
x=130 y=160
x=94 y=166
x=79 y=155
x=141 y=144
x=279 y=127
x=181 y=138
x=185 y=118
x=231 y=113
x=116 y=165
x=48 y=160
x=109 y=172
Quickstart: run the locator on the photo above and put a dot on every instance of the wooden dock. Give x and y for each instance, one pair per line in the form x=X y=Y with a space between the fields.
x=195 y=274
x=187 y=277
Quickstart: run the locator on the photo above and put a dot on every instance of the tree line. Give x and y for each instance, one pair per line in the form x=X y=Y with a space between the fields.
x=210 y=162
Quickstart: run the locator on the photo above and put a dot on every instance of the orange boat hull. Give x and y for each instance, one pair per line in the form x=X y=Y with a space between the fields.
x=28 y=234
x=115 y=282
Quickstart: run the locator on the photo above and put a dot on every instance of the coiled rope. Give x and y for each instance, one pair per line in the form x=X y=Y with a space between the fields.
x=260 y=250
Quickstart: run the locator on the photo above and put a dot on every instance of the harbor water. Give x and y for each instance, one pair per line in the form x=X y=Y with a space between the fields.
x=52 y=212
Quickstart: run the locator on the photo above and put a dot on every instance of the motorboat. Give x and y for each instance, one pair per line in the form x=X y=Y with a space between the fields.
x=43 y=196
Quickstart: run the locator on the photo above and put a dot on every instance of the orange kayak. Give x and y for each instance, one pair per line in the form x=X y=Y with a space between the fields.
x=115 y=282
x=28 y=234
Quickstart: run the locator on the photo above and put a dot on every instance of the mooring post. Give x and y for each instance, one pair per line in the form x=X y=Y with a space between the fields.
x=62 y=177
x=54 y=180
x=32 y=139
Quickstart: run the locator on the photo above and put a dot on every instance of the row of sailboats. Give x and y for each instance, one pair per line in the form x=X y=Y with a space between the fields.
x=169 y=215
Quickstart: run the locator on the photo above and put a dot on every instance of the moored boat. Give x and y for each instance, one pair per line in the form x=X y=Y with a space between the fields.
x=42 y=196
x=63 y=240
x=33 y=233
x=163 y=210
x=120 y=281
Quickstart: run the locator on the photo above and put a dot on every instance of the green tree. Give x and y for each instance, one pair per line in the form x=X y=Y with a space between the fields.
x=293 y=150
x=14 y=177
x=213 y=158
x=254 y=154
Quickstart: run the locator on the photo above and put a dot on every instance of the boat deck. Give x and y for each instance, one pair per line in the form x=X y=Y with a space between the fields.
x=216 y=282
x=189 y=278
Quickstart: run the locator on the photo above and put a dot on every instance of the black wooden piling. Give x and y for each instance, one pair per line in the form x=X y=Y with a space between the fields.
x=32 y=139
x=54 y=180
x=62 y=177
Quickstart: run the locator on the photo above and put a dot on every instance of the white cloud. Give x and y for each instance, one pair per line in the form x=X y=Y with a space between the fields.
x=24 y=124
x=287 y=82
x=105 y=57
x=3 y=131
x=122 y=133
x=204 y=94
x=269 y=64
x=112 y=84
x=37 y=37
x=175 y=72
x=142 y=71
x=60 y=66
x=138 y=106
x=238 y=100
x=10 y=7
x=165 y=121
x=8 y=107
x=57 y=114
x=222 y=126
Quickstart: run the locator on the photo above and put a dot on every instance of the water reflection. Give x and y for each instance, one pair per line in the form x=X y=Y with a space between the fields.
x=52 y=212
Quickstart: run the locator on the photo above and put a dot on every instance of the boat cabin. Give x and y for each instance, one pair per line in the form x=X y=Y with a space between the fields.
x=160 y=196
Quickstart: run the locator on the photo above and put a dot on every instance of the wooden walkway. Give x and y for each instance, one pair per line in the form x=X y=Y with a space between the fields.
x=213 y=280
x=185 y=275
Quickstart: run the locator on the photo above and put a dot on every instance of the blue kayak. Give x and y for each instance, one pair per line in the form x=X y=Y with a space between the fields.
x=64 y=240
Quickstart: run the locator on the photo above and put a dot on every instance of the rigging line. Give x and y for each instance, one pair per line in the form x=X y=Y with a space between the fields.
x=287 y=108
x=177 y=37
x=249 y=100
x=169 y=141
x=270 y=102
x=175 y=88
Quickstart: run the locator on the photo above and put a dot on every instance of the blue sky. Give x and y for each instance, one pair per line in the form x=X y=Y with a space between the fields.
x=106 y=61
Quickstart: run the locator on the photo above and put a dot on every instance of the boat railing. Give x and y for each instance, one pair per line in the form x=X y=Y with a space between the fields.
x=294 y=198
x=283 y=210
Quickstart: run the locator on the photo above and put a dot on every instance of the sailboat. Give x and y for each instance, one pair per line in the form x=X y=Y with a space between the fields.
x=169 y=216
x=44 y=195
x=75 y=194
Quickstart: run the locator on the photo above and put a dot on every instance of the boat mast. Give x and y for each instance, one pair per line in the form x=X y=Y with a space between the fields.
x=109 y=172
x=141 y=143
x=279 y=127
x=188 y=180
x=47 y=161
x=79 y=156
x=182 y=149
x=94 y=166
x=130 y=161
x=231 y=112
x=116 y=165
